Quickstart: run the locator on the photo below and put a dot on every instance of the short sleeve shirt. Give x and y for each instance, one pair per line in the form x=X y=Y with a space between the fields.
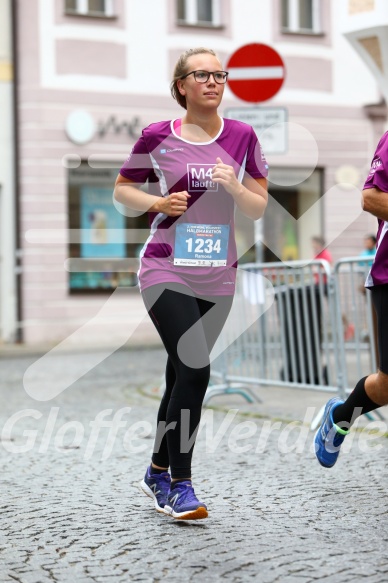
x=173 y=164
x=378 y=178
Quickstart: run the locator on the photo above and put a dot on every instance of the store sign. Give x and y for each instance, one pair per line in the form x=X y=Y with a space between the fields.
x=269 y=124
x=131 y=127
x=81 y=127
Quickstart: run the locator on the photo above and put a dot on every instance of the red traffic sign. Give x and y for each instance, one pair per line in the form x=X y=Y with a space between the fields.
x=256 y=72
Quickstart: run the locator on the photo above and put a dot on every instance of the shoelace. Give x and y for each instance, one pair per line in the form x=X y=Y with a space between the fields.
x=165 y=476
x=185 y=491
x=163 y=482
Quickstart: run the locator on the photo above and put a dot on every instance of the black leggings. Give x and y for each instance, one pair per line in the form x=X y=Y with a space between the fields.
x=174 y=309
x=380 y=303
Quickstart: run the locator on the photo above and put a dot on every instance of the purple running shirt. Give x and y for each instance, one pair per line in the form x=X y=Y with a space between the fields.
x=378 y=177
x=197 y=249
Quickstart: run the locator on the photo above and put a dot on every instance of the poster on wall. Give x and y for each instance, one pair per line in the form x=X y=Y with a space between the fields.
x=103 y=227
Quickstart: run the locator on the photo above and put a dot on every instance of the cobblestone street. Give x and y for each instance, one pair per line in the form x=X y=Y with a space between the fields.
x=72 y=511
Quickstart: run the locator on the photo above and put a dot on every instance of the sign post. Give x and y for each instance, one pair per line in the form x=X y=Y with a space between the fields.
x=257 y=73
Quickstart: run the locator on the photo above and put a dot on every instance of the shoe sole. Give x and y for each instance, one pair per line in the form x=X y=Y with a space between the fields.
x=197 y=514
x=150 y=493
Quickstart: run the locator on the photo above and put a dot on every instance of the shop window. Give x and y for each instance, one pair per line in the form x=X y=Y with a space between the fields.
x=285 y=238
x=301 y=16
x=89 y=7
x=198 y=12
x=103 y=250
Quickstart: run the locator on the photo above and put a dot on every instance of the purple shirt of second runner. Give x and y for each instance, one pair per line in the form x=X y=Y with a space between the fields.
x=378 y=177
x=173 y=164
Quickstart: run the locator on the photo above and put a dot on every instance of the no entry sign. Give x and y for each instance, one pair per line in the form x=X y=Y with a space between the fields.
x=256 y=72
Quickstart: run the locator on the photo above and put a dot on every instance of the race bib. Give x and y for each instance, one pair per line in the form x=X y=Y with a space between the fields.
x=201 y=245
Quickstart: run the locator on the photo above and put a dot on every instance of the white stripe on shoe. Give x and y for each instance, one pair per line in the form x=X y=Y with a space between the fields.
x=147 y=490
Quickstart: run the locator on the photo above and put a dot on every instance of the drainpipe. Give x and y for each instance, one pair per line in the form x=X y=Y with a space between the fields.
x=18 y=254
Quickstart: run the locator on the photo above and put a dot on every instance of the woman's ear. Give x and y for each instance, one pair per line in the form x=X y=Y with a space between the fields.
x=181 y=88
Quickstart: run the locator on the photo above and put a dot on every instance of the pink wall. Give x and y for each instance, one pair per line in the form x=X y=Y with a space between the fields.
x=85 y=57
x=309 y=73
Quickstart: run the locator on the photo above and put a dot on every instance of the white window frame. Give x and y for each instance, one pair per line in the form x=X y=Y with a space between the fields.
x=82 y=7
x=191 y=11
x=293 y=14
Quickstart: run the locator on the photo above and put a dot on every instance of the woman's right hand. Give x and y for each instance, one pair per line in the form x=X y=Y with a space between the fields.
x=173 y=205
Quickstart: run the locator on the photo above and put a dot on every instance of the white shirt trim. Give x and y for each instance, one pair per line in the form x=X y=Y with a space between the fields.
x=197 y=143
x=369 y=280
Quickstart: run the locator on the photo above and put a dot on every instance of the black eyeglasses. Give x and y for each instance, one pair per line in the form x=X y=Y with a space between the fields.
x=220 y=77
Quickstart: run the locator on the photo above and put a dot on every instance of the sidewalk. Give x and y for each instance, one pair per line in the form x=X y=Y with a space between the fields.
x=72 y=510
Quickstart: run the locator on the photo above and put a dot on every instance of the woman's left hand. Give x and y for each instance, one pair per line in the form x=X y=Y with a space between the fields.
x=226 y=176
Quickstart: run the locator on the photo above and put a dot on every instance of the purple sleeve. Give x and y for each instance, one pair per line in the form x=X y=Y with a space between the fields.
x=378 y=173
x=138 y=166
x=256 y=165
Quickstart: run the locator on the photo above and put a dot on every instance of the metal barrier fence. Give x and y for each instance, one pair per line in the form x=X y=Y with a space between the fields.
x=297 y=325
x=356 y=325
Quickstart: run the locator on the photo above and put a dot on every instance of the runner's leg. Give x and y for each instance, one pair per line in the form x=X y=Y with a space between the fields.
x=371 y=392
x=175 y=312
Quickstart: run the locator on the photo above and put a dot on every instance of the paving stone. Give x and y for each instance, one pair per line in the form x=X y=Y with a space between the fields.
x=74 y=512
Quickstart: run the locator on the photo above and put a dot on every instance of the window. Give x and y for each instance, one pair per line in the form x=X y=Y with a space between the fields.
x=104 y=246
x=198 y=12
x=301 y=16
x=295 y=239
x=89 y=7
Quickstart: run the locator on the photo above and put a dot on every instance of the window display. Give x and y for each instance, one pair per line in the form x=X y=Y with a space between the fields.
x=102 y=253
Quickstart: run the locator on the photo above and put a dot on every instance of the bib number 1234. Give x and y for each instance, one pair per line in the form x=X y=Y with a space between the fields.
x=201 y=245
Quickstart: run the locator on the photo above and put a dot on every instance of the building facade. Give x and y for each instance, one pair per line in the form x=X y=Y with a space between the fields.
x=92 y=73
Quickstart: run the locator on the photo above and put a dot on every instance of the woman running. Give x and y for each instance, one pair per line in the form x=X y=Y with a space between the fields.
x=198 y=169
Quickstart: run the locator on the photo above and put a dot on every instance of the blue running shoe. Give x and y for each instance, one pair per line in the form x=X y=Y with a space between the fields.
x=156 y=486
x=329 y=437
x=183 y=504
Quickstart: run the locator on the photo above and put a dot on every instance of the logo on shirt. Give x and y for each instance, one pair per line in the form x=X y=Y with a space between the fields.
x=200 y=178
x=167 y=151
x=375 y=165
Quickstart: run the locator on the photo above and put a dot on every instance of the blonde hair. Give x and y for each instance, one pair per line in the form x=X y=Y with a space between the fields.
x=181 y=69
